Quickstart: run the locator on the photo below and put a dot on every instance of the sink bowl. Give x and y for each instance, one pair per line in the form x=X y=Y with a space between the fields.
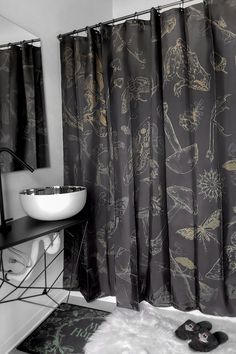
x=53 y=203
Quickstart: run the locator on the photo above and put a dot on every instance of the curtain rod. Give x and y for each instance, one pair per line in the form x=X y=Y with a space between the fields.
x=118 y=19
x=20 y=42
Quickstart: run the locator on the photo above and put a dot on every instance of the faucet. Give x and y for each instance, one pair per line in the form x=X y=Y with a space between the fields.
x=4 y=225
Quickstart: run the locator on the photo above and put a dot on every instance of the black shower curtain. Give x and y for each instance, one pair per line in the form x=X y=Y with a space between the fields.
x=22 y=109
x=149 y=128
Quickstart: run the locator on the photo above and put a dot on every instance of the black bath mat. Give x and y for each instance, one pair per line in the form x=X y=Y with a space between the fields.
x=65 y=331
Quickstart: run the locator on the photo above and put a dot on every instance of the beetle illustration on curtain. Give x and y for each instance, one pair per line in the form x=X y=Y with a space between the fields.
x=149 y=128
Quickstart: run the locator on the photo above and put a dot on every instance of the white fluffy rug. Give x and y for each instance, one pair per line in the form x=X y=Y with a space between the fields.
x=151 y=331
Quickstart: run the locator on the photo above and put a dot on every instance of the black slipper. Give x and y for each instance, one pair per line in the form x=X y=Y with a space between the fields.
x=189 y=329
x=205 y=341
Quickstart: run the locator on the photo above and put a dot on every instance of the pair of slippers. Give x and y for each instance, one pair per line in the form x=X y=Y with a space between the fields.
x=201 y=339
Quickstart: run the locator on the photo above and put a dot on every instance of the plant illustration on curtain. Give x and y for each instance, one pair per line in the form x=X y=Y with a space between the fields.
x=149 y=128
x=22 y=111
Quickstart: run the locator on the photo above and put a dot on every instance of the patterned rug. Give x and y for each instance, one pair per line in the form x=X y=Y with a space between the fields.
x=65 y=331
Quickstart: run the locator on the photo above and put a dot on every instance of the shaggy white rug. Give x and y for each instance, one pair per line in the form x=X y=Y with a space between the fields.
x=151 y=331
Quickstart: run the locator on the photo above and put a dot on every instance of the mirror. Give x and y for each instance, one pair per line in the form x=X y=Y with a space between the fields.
x=23 y=127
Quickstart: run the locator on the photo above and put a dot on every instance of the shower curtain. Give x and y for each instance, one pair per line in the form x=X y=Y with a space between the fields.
x=22 y=109
x=149 y=128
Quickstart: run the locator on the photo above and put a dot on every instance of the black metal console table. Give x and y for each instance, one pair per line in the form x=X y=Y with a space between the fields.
x=25 y=229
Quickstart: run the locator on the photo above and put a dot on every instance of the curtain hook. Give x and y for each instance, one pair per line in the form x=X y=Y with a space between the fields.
x=113 y=22
x=74 y=33
x=98 y=26
x=182 y=5
x=159 y=10
x=154 y=9
x=136 y=16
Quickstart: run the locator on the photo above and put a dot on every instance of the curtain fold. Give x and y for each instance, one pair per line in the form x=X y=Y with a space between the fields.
x=22 y=108
x=149 y=129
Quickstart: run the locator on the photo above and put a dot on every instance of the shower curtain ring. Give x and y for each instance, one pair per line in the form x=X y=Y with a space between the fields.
x=135 y=16
x=159 y=10
x=182 y=5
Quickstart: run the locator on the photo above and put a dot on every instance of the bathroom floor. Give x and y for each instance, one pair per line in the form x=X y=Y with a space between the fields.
x=130 y=329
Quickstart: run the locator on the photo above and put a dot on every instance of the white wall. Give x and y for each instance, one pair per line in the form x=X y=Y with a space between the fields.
x=124 y=7
x=10 y=32
x=45 y=19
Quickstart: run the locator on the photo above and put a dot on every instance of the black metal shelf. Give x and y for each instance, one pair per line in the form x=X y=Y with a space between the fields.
x=25 y=229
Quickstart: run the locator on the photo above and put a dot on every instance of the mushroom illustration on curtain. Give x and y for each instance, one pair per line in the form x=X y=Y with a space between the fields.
x=149 y=128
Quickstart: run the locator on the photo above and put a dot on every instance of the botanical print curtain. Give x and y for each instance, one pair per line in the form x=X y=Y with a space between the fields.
x=22 y=110
x=149 y=128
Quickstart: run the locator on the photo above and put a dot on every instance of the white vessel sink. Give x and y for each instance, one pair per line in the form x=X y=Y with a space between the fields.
x=53 y=203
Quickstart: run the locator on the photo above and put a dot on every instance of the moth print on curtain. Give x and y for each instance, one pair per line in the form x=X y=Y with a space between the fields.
x=157 y=152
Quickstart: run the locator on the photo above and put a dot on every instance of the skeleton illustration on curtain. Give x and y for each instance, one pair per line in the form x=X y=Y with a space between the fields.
x=149 y=128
